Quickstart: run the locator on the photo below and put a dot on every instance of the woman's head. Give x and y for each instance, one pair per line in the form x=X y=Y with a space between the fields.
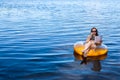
x=94 y=31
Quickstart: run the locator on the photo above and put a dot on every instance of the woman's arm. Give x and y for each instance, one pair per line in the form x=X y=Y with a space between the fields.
x=88 y=38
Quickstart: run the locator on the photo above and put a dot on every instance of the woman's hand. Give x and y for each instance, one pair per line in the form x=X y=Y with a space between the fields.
x=91 y=35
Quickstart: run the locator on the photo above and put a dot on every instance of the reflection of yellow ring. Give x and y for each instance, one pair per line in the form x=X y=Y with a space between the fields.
x=101 y=57
x=102 y=50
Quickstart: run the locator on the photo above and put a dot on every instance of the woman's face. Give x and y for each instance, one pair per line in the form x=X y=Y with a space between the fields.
x=94 y=31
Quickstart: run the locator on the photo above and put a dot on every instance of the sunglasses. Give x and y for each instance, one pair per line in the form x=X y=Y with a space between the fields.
x=93 y=31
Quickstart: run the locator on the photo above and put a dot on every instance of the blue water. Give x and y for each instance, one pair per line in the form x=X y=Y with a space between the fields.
x=37 y=38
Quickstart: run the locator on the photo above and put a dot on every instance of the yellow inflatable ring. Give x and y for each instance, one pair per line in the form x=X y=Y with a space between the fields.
x=100 y=50
x=79 y=57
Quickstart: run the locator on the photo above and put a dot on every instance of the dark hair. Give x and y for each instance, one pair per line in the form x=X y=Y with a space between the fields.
x=96 y=30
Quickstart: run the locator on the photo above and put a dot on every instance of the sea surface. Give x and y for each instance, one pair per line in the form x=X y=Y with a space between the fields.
x=37 y=38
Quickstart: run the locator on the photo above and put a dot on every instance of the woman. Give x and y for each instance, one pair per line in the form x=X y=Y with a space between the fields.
x=91 y=42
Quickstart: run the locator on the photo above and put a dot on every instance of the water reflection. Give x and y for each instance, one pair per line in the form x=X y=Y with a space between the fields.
x=95 y=61
x=96 y=65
